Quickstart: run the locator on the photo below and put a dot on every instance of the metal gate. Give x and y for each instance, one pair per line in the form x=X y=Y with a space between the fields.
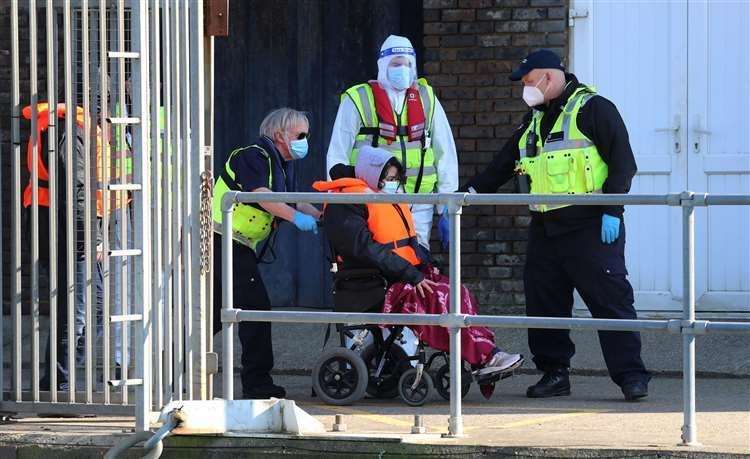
x=110 y=232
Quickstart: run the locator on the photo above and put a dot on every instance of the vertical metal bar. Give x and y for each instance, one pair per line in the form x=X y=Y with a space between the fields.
x=455 y=424
x=52 y=169
x=35 y=142
x=227 y=334
x=88 y=193
x=167 y=217
x=142 y=210
x=197 y=160
x=179 y=367
x=156 y=152
x=69 y=197
x=123 y=203
x=689 y=427
x=187 y=185
x=15 y=278
x=106 y=168
x=209 y=43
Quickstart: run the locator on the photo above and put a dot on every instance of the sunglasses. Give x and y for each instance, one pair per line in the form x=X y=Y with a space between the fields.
x=303 y=135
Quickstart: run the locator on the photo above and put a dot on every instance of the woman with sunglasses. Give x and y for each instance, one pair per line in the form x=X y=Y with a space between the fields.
x=260 y=167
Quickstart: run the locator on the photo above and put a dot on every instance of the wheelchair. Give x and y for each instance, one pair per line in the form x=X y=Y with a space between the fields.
x=379 y=367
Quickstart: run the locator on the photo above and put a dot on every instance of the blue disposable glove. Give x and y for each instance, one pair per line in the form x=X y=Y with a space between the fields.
x=610 y=228
x=444 y=228
x=304 y=222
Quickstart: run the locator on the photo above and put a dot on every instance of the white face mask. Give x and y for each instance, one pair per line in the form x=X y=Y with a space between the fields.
x=532 y=95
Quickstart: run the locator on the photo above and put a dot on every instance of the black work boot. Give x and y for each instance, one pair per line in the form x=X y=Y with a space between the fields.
x=263 y=392
x=553 y=383
x=635 y=390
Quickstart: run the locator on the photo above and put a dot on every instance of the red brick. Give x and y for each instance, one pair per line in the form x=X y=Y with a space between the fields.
x=493 y=93
x=431 y=41
x=492 y=119
x=511 y=26
x=476 y=27
x=474 y=3
x=475 y=80
x=439 y=4
x=529 y=13
x=458 y=15
x=440 y=28
x=458 y=67
x=494 y=15
x=476 y=132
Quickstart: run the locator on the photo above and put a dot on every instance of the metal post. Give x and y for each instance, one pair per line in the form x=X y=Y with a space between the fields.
x=227 y=334
x=167 y=217
x=198 y=291
x=187 y=203
x=689 y=427
x=69 y=232
x=90 y=195
x=123 y=204
x=52 y=167
x=156 y=187
x=15 y=278
x=35 y=142
x=142 y=170
x=456 y=423
x=106 y=168
x=177 y=227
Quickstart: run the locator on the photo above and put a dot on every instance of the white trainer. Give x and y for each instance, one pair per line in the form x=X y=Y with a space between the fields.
x=501 y=362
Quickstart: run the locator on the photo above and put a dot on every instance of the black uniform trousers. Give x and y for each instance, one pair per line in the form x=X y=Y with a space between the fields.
x=249 y=293
x=555 y=265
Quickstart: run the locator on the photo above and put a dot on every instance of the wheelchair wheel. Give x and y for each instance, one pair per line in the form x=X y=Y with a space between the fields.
x=415 y=396
x=340 y=377
x=396 y=362
x=443 y=382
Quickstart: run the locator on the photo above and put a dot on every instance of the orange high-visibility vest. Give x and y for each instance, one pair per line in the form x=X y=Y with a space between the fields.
x=390 y=224
x=43 y=175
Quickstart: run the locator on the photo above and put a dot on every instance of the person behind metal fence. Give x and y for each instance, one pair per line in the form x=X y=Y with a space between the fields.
x=400 y=113
x=572 y=141
x=383 y=236
x=260 y=167
x=77 y=208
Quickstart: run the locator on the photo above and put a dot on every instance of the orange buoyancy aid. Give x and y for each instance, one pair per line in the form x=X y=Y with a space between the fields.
x=387 y=123
x=43 y=174
x=390 y=224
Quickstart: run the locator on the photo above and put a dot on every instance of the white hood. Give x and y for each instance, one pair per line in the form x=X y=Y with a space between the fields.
x=391 y=47
x=370 y=164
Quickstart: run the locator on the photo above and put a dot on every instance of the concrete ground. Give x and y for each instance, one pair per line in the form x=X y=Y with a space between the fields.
x=593 y=422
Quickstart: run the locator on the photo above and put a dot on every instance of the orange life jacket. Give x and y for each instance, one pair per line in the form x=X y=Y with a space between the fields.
x=43 y=174
x=390 y=224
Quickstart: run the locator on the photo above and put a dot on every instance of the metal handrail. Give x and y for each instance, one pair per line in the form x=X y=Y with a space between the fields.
x=688 y=327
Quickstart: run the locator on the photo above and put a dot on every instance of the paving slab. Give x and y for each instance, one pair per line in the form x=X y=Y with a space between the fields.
x=593 y=422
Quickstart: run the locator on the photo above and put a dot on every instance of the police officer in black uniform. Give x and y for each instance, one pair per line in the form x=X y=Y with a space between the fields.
x=571 y=247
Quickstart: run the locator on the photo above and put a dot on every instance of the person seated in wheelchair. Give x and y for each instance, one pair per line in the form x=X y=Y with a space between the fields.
x=383 y=236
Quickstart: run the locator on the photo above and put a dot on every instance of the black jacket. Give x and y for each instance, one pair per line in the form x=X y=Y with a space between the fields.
x=600 y=121
x=351 y=239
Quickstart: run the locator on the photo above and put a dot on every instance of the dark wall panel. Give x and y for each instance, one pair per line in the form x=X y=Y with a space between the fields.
x=300 y=54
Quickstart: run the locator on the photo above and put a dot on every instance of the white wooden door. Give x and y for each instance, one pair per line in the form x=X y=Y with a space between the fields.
x=635 y=55
x=719 y=148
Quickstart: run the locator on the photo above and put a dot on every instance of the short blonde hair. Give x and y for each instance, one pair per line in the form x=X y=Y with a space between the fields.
x=281 y=119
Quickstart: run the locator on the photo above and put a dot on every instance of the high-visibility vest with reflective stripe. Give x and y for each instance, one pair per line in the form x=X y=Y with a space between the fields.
x=571 y=165
x=250 y=224
x=391 y=225
x=417 y=156
x=117 y=199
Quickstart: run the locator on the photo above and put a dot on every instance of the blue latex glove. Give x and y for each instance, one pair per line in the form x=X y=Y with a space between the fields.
x=610 y=229
x=304 y=222
x=444 y=228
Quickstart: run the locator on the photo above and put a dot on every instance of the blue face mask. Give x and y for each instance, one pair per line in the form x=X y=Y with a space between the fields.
x=390 y=187
x=298 y=148
x=400 y=77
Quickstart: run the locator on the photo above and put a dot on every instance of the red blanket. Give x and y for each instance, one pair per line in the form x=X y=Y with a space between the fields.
x=477 y=343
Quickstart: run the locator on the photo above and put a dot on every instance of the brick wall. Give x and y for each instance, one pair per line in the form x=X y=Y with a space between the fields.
x=470 y=48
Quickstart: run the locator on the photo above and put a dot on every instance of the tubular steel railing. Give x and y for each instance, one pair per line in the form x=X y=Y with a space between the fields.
x=688 y=327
